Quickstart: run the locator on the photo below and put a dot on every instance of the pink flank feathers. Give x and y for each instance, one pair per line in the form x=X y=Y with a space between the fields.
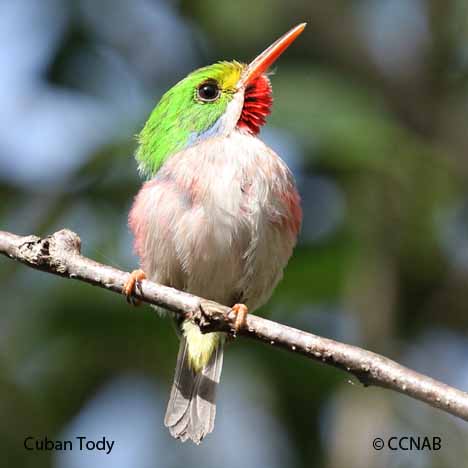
x=219 y=220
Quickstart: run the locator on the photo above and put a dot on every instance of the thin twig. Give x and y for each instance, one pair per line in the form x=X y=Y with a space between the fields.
x=60 y=254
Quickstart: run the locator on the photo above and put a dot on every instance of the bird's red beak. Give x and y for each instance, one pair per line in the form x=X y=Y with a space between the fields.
x=269 y=56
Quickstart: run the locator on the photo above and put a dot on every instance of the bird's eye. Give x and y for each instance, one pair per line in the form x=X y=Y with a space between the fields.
x=208 y=91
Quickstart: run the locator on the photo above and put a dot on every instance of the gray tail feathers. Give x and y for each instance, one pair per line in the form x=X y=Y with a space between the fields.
x=191 y=410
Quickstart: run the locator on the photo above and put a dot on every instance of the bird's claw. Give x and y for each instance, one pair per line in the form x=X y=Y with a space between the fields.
x=133 y=283
x=240 y=312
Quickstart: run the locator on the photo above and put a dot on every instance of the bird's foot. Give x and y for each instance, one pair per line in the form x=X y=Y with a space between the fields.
x=240 y=312
x=133 y=282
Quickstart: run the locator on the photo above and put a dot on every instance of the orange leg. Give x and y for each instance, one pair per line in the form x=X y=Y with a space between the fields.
x=134 y=281
x=240 y=311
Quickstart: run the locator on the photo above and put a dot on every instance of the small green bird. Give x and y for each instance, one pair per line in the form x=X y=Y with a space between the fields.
x=218 y=217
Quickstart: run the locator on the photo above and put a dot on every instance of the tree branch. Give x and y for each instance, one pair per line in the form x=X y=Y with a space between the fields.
x=60 y=254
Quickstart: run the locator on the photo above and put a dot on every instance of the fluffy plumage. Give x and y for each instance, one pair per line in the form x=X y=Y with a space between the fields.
x=218 y=218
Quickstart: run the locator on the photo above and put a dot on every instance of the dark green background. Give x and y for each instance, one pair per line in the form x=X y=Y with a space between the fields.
x=370 y=112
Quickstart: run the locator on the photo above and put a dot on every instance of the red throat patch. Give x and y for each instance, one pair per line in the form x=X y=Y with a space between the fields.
x=257 y=105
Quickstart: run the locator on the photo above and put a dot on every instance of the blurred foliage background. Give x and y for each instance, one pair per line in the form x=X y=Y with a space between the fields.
x=371 y=111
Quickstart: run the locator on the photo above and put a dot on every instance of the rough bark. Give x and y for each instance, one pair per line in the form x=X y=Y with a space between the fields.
x=60 y=254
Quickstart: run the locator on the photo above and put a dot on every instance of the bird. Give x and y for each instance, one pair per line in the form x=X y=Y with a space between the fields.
x=218 y=215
